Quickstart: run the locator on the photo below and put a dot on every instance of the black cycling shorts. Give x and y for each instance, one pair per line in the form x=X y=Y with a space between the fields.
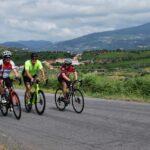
x=60 y=79
x=8 y=82
x=27 y=79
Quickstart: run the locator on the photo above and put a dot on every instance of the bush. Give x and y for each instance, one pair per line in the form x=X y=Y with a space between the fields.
x=103 y=85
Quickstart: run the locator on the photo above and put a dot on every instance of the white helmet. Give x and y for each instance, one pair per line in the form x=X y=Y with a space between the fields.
x=68 y=61
x=7 y=54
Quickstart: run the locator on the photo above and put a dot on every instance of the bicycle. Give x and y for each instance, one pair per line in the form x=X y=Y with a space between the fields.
x=12 y=101
x=37 y=98
x=74 y=95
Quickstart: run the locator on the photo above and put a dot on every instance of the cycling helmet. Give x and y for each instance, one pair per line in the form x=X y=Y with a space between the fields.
x=34 y=55
x=68 y=61
x=7 y=54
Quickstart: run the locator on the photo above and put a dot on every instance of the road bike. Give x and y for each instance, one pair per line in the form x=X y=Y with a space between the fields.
x=37 y=98
x=74 y=96
x=12 y=101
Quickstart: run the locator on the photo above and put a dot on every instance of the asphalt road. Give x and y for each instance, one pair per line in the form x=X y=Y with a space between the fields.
x=103 y=125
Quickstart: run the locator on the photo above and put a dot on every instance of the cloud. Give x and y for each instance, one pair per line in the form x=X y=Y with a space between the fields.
x=56 y=20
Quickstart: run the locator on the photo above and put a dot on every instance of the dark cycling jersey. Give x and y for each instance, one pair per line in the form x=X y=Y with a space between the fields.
x=67 y=70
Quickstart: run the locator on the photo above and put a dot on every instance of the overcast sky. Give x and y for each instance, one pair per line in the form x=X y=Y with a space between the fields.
x=58 y=20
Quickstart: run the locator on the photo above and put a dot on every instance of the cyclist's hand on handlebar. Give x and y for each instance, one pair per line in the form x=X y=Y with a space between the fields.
x=16 y=78
x=33 y=80
x=69 y=83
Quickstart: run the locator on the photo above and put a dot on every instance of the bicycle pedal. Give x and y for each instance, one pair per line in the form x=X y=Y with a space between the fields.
x=67 y=102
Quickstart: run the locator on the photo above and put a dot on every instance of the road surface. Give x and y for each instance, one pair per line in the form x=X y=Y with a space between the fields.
x=103 y=125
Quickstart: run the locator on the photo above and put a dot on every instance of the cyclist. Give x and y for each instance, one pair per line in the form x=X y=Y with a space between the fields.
x=6 y=66
x=30 y=71
x=64 y=76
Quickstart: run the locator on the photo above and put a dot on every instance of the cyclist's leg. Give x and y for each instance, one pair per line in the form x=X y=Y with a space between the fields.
x=8 y=84
x=64 y=86
x=27 y=83
x=1 y=87
x=2 y=98
x=28 y=87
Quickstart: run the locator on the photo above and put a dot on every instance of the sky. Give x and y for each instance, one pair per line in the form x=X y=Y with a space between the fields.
x=59 y=20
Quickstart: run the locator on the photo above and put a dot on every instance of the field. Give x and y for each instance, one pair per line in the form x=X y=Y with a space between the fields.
x=105 y=74
x=125 y=75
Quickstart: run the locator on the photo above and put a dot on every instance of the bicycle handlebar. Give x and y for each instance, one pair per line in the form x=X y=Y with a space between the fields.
x=38 y=81
x=76 y=81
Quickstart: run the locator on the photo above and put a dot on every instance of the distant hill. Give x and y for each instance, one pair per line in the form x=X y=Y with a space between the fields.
x=128 y=38
x=37 y=45
x=29 y=45
x=13 y=44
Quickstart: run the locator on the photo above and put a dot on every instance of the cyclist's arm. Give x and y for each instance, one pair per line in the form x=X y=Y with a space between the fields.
x=65 y=77
x=14 y=69
x=29 y=75
x=49 y=66
x=43 y=73
x=75 y=75
x=41 y=69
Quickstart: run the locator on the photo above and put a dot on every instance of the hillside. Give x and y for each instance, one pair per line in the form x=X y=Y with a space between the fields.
x=29 y=45
x=130 y=38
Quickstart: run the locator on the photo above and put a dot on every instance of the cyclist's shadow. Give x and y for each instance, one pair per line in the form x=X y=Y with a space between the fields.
x=33 y=111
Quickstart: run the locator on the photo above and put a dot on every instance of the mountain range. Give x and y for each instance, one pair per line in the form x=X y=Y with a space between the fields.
x=128 y=38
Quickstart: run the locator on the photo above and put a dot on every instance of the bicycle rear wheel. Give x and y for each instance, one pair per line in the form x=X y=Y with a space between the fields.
x=16 y=105
x=27 y=102
x=78 y=101
x=59 y=99
x=40 y=102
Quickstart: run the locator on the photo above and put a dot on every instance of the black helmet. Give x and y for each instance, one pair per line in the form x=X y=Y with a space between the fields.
x=34 y=55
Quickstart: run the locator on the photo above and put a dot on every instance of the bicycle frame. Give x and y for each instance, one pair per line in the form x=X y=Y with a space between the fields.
x=37 y=98
x=10 y=91
x=71 y=88
x=62 y=103
x=11 y=102
x=36 y=89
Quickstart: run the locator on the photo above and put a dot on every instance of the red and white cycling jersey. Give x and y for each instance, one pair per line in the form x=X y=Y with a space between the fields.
x=67 y=70
x=5 y=68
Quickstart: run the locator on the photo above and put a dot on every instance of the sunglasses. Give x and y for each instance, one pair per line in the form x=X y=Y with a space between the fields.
x=34 y=58
x=7 y=58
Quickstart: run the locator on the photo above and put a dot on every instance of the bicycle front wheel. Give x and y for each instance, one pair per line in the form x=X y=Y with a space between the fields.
x=40 y=102
x=16 y=105
x=59 y=99
x=78 y=101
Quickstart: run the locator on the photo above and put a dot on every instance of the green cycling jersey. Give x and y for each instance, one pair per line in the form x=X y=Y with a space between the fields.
x=33 y=69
